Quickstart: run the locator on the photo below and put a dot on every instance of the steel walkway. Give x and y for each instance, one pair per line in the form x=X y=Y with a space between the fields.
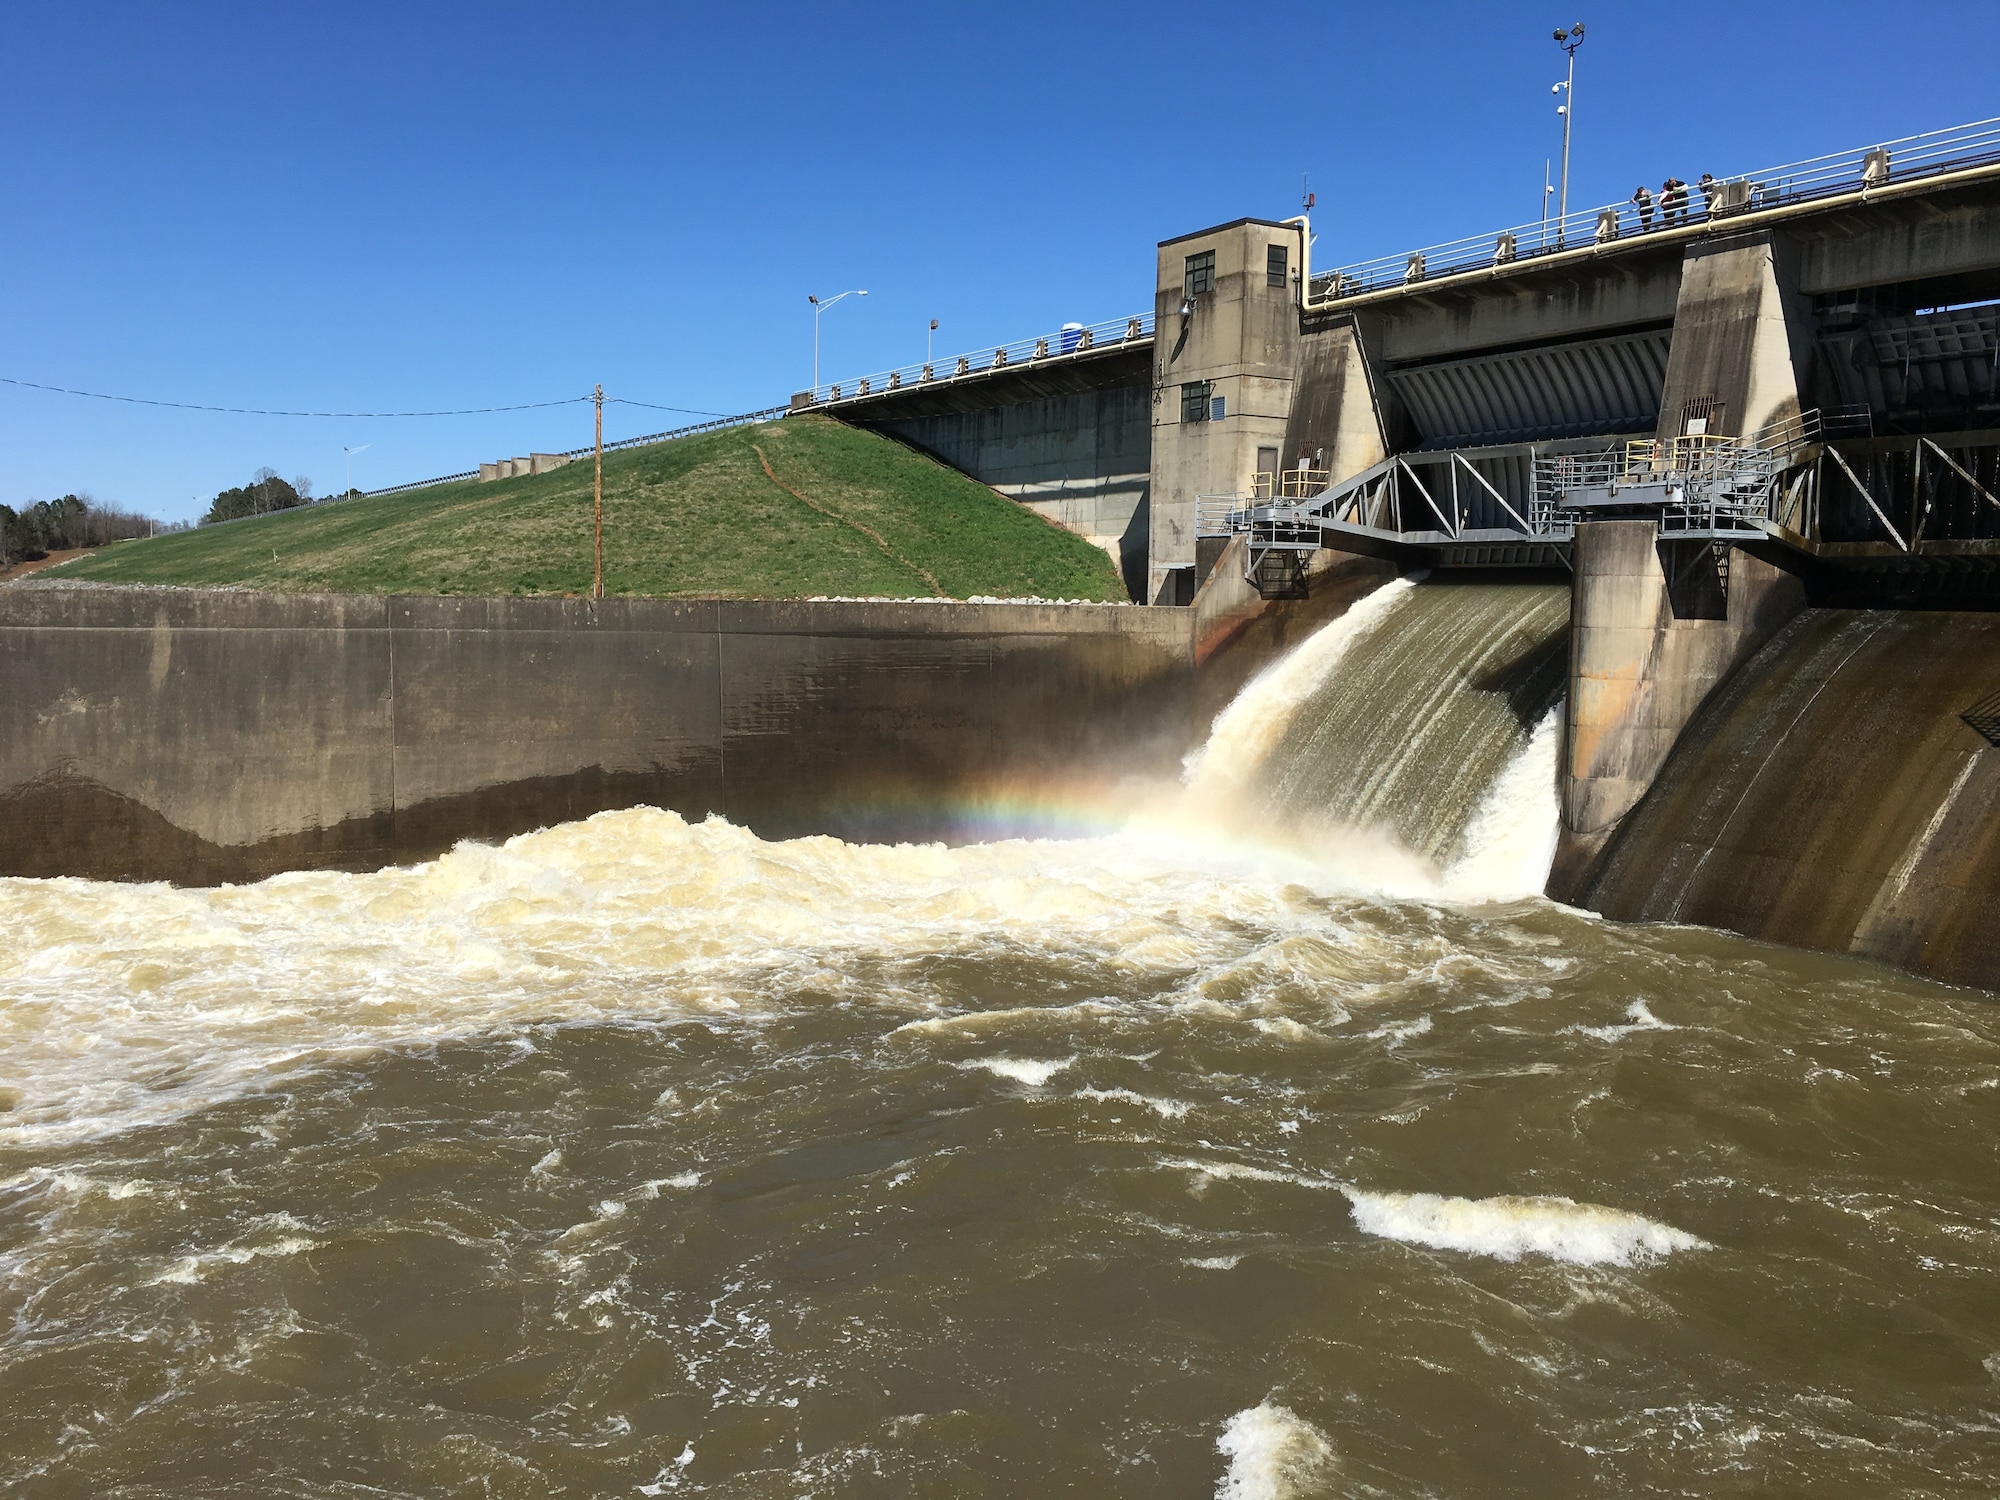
x=1819 y=486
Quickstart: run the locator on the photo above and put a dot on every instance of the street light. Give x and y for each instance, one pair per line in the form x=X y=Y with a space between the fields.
x=927 y=340
x=350 y=452
x=1569 y=41
x=820 y=305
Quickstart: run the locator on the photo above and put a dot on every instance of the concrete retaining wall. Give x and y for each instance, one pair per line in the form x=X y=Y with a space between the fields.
x=205 y=736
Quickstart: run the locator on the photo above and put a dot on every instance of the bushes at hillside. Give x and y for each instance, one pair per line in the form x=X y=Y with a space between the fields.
x=264 y=493
x=56 y=525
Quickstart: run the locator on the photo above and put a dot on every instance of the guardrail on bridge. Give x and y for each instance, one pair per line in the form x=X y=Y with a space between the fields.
x=1069 y=341
x=1892 y=162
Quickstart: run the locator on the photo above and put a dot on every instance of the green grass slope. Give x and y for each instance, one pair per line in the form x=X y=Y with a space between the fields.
x=847 y=512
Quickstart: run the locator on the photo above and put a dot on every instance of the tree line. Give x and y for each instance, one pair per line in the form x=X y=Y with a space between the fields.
x=264 y=493
x=46 y=526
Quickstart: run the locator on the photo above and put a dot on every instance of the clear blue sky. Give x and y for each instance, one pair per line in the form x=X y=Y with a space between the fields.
x=415 y=206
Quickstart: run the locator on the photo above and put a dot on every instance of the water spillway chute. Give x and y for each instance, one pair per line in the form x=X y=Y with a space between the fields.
x=1422 y=719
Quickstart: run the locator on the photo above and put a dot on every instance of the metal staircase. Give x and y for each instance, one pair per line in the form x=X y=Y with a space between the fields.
x=1720 y=488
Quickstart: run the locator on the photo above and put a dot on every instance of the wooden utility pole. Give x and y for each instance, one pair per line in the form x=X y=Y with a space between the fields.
x=597 y=502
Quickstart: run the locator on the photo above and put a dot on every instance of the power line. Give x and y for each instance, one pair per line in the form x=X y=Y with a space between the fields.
x=257 y=411
x=253 y=411
x=655 y=407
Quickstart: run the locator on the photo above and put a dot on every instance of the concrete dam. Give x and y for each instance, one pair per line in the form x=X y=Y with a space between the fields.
x=1699 y=517
x=702 y=1046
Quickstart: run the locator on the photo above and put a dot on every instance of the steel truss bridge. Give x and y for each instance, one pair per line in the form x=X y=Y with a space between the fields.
x=1822 y=487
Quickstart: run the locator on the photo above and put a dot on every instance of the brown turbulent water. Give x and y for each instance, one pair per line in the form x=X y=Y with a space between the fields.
x=638 y=1157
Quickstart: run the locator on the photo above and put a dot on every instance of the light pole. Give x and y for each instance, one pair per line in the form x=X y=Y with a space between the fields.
x=820 y=305
x=928 y=335
x=1569 y=41
x=350 y=452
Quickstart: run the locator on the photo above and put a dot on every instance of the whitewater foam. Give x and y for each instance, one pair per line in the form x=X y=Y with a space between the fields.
x=1511 y=840
x=1241 y=738
x=1507 y=1228
x=1640 y=1018
x=1166 y=1109
x=1206 y=1172
x=128 y=1004
x=190 y=1269
x=650 y=1189
x=1034 y=1072
x=1274 y=1454
x=632 y=916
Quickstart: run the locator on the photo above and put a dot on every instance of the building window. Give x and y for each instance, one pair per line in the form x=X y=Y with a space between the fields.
x=1200 y=273
x=1195 y=397
x=1277 y=262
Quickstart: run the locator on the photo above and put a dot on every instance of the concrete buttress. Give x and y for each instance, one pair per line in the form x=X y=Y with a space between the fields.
x=1336 y=412
x=1646 y=648
x=1742 y=338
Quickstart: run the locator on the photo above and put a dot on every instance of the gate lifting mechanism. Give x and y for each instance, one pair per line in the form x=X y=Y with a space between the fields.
x=1717 y=488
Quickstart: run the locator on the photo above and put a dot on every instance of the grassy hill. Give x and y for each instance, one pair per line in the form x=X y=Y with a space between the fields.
x=780 y=510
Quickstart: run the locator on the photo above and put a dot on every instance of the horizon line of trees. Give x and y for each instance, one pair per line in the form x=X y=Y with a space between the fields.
x=76 y=521
x=265 y=493
x=44 y=526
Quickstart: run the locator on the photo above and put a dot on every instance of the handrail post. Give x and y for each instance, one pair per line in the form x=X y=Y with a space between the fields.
x=597 y=502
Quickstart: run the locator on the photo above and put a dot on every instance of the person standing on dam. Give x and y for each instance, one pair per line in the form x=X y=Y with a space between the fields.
x=1645 y=201
x=1673 y=202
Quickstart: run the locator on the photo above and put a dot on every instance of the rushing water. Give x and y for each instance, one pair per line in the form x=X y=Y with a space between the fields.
x=636 y=1157
x=1400 y=717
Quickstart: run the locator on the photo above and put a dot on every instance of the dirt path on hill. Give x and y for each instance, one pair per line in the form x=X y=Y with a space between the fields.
x=867 y=531
x=16 y=571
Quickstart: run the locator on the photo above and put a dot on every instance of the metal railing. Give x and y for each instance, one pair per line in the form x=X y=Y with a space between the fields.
x=1718 y=478
x=1393 y=497
x=1082 y=339
x=1891 y=162
x=1289 y=484
x=715 y=424
x=1220 y=515
x=1703 y=484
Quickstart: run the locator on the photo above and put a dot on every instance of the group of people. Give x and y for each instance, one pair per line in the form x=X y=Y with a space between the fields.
x=1673 y=201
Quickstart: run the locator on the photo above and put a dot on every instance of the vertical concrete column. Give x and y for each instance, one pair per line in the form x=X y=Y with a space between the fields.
x=1742 y=337
x=1335 y=407
x=1639 y=667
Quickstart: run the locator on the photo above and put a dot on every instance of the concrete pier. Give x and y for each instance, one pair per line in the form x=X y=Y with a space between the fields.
x=1835 y=793
x=1652 y=634
x=1743 y=336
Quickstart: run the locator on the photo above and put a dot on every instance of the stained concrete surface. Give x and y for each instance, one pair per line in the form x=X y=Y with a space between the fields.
x=203 y=736
x=1831 y=795
x=1641 y=662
